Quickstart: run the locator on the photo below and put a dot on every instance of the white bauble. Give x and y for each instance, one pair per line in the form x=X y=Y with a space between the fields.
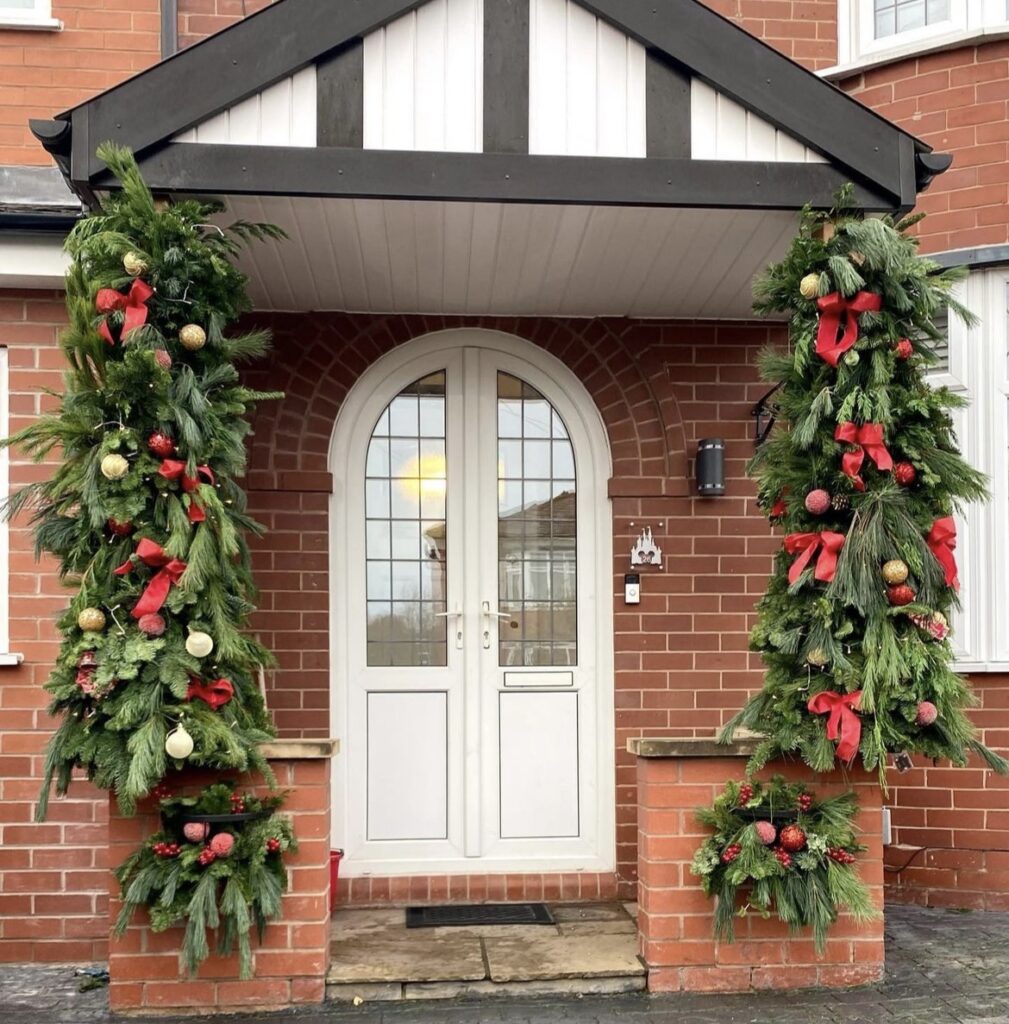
x=114 y=467
x=179 y=743
x=199 y=644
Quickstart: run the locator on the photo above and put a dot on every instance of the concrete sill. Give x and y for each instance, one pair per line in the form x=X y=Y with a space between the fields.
x=300 y=750
x=11 y=658
x=691 y=746
x=33 y=25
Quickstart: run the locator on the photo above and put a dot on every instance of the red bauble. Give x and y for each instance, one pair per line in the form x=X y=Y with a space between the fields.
x=904 y=348
x=152 y=625
x=817 y=502
x=162 y=358
x=792 y=838
x=766 y=832
x=900 y=595
x=119 y=529
x=927 y=713
x=160 y=445
x=222 y=844
x=904 y=473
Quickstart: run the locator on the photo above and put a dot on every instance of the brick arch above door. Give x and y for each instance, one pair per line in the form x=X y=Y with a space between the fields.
x=317 y=358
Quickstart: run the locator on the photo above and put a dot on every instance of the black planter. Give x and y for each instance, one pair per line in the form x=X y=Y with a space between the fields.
x=776 y=816
x=224 y=819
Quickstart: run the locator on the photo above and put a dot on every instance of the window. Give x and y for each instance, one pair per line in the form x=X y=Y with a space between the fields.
x=893 y=17
x=29 y=14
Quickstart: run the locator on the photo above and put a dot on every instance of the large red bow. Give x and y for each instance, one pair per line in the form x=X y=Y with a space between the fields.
x=156 y=592
x=843 y=723
x=805 y=545
x=869 y=438
x=175 y=469
x=832 y=308
x=216 y=693
x=133 y=306
x=941 y=540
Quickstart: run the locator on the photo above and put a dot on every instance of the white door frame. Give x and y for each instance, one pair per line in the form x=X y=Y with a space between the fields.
x=376 y=387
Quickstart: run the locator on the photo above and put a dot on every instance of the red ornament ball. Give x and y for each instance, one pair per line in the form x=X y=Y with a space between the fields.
x=745 y=794
x=904 y=473
x=119 y=529
x=162 y=358
x=792 y=838
x=927 y=713
x=766 y=832
x=196 y=831
x=732 y=851
x=273 y=845
x=904 y=348
x=222 y=844
x=160 y=444
x=152 y=624
x=817 y=502
x=900 y=595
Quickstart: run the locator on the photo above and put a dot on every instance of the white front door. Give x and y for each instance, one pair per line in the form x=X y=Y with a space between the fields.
x=472 y=623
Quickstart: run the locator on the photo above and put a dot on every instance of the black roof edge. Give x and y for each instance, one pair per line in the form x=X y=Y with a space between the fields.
x=928 y=166
x=56 y=136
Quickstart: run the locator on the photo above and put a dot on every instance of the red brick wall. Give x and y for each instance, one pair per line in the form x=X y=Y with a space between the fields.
x=805 y=30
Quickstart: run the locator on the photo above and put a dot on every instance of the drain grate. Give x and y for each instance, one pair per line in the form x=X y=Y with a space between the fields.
x=478 y=914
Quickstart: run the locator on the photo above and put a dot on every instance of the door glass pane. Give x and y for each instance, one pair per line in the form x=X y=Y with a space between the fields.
x=536 y=530
x=405 y=532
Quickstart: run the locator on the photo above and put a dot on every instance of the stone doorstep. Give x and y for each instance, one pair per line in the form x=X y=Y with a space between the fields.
x=391 y=992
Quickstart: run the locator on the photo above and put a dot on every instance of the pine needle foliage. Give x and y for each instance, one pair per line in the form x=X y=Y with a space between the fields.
x=114 y=397
x=860 y=642
x=806 y=888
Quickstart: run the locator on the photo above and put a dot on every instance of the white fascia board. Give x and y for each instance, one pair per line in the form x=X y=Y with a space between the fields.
x=32 y=262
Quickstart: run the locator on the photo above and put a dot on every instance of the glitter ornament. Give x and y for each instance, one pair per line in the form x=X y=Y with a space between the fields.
x=817 y=502
x=199 y=644
x=904 y=349
x=196 y=831
x=222 y=844
x=152 y=625
x=851 y=358
x=792 y=838
x=134 y=264
x=119 y=529
x=904 y=473
x=114 y=467
x=193 y=337
x=895 y=571
x=900 y=595
x=162 y=358
x=160 y=444
x=927 y=713
x=766 y=832
x=179 y=743
x=809 y=286
x=818 y=657
x=91 y=620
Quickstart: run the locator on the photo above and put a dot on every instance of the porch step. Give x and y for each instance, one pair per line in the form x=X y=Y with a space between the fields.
x=592 y=949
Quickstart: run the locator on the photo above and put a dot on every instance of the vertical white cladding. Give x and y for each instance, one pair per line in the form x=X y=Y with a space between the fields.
x=586 y=84
x=423 y=80
x=721 y=129
x=282 y=115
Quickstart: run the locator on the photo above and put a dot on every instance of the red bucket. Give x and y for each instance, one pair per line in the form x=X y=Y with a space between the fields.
x=335 y=856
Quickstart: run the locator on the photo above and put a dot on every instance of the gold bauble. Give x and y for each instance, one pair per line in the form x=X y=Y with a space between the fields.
x=193 y=337
x=114 y=467
x=134 y=264
x=199 y=644
x=179 y=743
x=818 y=657
x=91 y=620
x=809 y=286
x=895 y=572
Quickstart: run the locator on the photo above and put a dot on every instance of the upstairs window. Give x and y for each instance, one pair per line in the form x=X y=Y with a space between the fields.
x=893 y=17
x=28 y=14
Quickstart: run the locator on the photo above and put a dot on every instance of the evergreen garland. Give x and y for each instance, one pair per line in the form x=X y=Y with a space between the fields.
x=787 y=853
x=136 y=391
x=188 y=873
x=850 y=636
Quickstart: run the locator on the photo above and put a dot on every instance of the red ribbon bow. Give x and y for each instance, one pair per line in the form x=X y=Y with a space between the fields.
x=156 y=592
x=941 y=540
x=843 y=723
x=832 y=307
x=805 y=545
x=216 y=693
x=133 y=305
x=175 y=469
x=869 y=438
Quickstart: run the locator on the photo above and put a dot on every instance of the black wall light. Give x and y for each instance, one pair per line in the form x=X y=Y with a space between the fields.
x=710 y=467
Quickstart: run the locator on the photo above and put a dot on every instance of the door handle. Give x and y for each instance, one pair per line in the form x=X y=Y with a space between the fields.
x=488 y=618
x=458 y=616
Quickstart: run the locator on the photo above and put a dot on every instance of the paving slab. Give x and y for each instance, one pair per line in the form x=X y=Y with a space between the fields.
x=578 y=987
x=557 y=957
x=345 y=923
x=406 y=956
x=616 y=926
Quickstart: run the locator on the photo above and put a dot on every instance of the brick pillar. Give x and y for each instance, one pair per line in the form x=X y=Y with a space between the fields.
x=291 y=964
x=675 y=777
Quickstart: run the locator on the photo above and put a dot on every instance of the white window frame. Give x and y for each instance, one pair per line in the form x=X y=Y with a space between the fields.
x=858 y=47
x=6 y=658
x=37 y=17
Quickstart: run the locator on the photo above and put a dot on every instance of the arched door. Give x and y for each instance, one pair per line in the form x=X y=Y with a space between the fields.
x=472 y=639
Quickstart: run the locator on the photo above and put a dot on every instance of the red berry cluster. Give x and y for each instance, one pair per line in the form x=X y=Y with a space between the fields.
x=745 y=794
x=161 y=791
x=237 y=804
x=207 y=856
x=732 y=851
x=805 y=802
x=784 y=858
x=273 y=845
x=166 y=850
x=841 y=856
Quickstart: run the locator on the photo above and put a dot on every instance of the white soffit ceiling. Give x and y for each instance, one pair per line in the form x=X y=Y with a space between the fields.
x=400 y=256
